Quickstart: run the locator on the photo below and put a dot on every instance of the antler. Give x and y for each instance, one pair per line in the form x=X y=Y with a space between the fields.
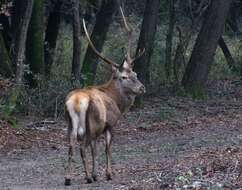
x=129 y=31
x=140 y=53
x=95 y=50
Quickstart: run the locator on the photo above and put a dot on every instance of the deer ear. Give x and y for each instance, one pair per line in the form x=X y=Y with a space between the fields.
x=115 y=72
x=114 y=69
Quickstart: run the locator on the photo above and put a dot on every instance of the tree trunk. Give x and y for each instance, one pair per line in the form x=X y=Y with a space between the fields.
x=20 y=39
x=201 y=59
x=51 y=36
x=19 y=52
x=234 y=14
x=35 y=43
x=226 y=52
x=98 y=37
x=6 y=32
x=76 y=46
x=169 y=38
x=146 y=40
x=179 y=58
x=5 y=66
x=18 y=10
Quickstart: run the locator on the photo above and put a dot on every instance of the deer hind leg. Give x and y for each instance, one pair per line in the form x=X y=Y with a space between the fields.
x=94 y=162
x=108 y=139
x=82 y=136
x=72 y=135
x=83 y=149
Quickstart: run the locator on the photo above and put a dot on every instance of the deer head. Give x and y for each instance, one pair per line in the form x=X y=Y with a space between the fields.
x=122 y=74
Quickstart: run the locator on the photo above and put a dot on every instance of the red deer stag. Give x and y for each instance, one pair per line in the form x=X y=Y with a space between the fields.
x=95 y=110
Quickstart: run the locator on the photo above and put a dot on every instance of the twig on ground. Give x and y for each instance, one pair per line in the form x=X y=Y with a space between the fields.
x=40 y=123
x=137 y=121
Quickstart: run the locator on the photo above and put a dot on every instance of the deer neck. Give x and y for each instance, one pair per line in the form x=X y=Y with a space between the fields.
x=123 y=99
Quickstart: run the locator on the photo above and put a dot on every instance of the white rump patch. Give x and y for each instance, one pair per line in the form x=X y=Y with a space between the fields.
x=78 y=119
x=82 y=116
x=73 y=116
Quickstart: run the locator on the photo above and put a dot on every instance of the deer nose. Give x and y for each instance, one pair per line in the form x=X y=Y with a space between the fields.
x=142 y=89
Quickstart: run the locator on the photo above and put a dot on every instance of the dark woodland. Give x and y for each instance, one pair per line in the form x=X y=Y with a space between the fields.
x=121 y=94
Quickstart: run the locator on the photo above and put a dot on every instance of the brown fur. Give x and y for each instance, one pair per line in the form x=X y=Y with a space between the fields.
x=102 y=106
x=95 y=110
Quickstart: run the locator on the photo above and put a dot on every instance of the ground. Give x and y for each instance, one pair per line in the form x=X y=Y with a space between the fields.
x=172 y=143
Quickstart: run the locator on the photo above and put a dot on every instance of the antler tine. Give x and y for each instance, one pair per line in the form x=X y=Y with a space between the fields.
x=95 y=50
x=129 y=31
x=140 y=53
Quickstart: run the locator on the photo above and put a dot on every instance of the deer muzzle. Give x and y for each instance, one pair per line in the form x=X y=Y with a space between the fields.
x=142 y=89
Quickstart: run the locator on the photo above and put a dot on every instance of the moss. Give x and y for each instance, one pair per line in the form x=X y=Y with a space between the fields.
x=180 y=91
x=5 y=66
x=88 y=79
x=10 y=105
x=196 y=91
x=139 y=102
x=35 y=41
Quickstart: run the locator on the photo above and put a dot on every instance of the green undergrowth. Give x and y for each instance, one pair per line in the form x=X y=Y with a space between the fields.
x=48 y=97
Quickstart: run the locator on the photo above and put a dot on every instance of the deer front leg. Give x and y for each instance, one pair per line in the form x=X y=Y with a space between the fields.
x=83 y=148
x=108 y=139
x=94 y=162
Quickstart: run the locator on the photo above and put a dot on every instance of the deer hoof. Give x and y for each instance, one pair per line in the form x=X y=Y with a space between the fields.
x=89 y=180
x=67 y=182
x=94 y=177
x=109 y=177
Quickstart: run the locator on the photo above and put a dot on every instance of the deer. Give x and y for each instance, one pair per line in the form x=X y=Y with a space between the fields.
x=95 y=110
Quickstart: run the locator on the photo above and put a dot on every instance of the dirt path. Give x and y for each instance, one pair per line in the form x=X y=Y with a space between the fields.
x=172 y=143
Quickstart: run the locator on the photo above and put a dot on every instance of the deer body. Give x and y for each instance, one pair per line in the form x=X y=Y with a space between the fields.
x=103 y=104
x=95 y=110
